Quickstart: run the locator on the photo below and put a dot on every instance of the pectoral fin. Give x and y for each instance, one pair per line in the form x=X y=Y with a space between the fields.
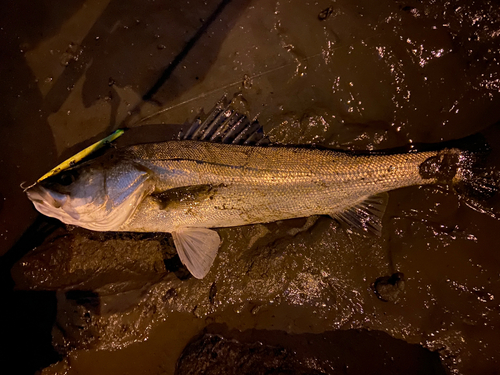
x=366 y=215
x=197 y=248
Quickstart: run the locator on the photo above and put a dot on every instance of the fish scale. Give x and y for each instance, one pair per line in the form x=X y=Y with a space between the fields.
x=263 y=184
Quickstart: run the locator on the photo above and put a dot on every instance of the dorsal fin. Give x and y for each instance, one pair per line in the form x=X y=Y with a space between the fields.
x=225 y=124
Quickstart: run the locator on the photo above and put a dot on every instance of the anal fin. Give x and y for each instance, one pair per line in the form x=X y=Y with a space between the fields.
x=197 y=249
x=366 y=215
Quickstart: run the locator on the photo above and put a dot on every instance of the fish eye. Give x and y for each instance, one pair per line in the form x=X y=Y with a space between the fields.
x=66 y=178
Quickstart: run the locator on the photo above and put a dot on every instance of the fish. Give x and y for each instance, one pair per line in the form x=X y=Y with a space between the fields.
x=222 y=173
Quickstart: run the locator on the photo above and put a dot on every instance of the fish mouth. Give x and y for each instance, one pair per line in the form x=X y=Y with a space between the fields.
x=46 y=204
x=58 y=206
x=39 y=195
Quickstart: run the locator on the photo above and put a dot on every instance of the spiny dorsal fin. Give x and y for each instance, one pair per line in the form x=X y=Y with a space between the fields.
x=366 y=215
x=197 y=248
x=225 y=124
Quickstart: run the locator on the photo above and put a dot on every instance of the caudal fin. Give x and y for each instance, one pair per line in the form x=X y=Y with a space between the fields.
x=475 y=182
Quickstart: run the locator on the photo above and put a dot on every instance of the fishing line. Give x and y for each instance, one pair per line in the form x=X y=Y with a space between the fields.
x=255 y=76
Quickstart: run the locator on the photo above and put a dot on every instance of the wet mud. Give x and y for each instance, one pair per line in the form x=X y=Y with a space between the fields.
x=308 y=295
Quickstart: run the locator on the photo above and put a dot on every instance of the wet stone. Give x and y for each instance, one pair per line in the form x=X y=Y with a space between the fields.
x=325 y=14
x=87 y=261
x=212 y=354
x=389 y=288
x=212 y=293
x=218 y=350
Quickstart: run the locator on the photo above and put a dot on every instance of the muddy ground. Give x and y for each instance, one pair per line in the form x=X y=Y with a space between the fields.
x=305 y=296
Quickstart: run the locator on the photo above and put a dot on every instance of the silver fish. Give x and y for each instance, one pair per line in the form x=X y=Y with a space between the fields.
x=188 y=186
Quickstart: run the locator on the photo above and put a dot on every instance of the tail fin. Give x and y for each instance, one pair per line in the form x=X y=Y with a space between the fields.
x=474 y=178
x=475 y=182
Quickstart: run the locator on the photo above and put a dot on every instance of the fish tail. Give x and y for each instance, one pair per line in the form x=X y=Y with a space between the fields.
x=475 y=181
x=464 y=167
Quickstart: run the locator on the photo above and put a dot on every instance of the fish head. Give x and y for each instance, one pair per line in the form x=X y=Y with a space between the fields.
x=98 y=195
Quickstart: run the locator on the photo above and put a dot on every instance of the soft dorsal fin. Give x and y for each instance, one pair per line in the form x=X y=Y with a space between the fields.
x=197 y=248
x=225 y=124
x=366 y=215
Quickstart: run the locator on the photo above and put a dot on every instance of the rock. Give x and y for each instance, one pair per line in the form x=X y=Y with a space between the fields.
x=388 y=288
x=218 y=350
